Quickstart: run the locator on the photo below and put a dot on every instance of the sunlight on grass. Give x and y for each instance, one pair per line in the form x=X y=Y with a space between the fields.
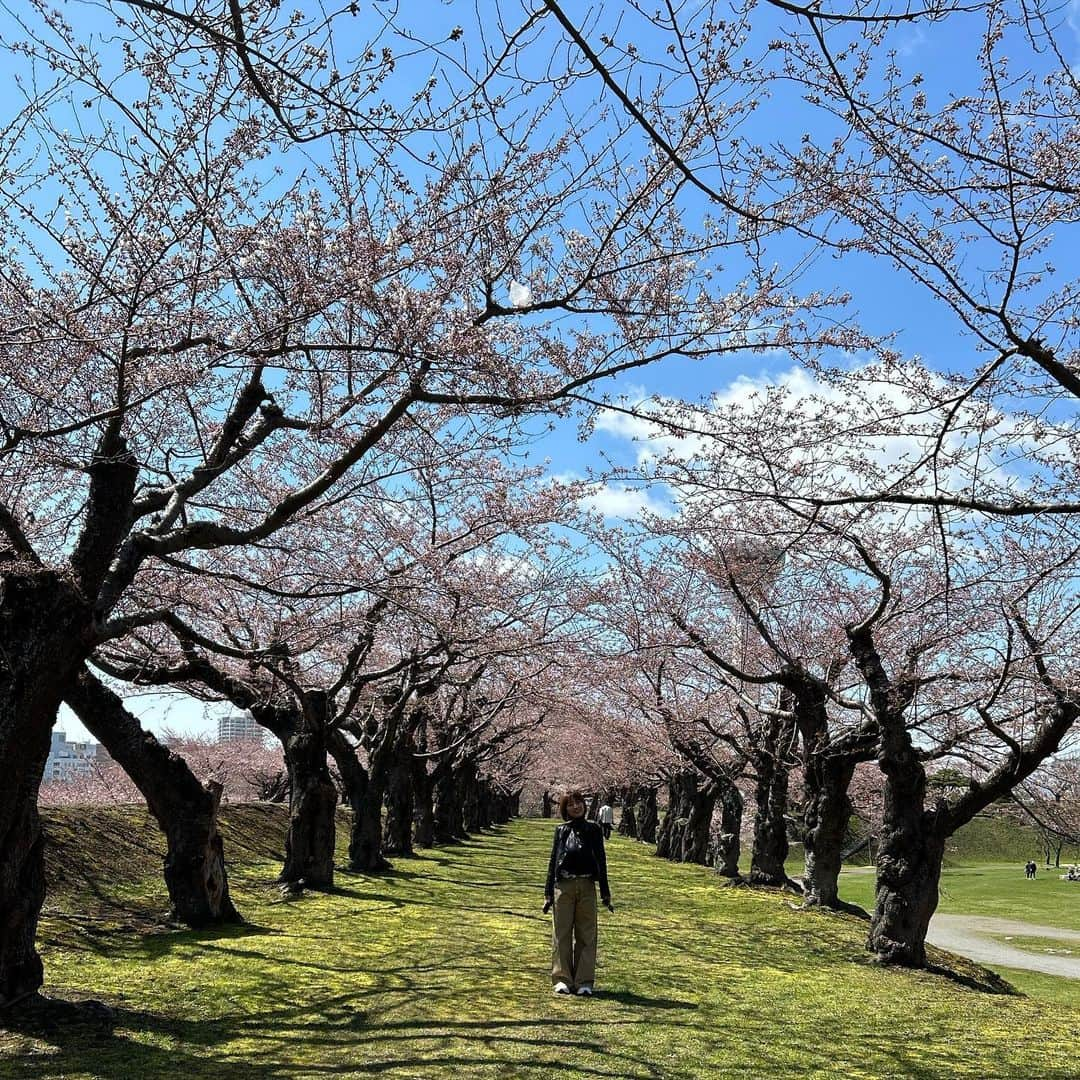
x=440 y=969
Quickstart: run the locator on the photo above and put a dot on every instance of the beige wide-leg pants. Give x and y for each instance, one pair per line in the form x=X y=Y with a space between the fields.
x=573 y=936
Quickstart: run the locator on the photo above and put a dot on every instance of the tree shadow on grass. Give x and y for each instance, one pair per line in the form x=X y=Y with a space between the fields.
x=160 y=942
x=977 y=978
x=91 y=1039
x=392 y=872
x=638 y=1001
x=536 y=1046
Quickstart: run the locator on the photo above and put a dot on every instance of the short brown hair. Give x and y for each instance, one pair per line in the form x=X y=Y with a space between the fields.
x=567 y=798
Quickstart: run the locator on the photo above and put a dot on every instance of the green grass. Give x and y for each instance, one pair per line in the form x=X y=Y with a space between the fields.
x=440 y=970
x=1050 y=945
x=1050 y=988
x=994 y=838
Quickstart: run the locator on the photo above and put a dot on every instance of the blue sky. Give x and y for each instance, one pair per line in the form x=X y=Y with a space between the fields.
x=884 y=301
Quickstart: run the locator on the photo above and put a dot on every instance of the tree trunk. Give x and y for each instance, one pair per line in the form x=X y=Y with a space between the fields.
x=469 y=786
x=684 y=835
x=397 y=831
x=695 y=840
x=670 y=831
x=912 y=845
x=44 y=626
x=185 y=810
x=648 y=817
x=725 y=856
x=449 y=814
x=546 y=805
x=365 y=800
x=771 y=768
x=309 y=843
x=628 y=819
x=828 y=811
x=423 y=805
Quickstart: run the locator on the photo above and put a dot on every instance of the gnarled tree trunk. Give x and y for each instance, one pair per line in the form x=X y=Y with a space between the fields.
x=647 y=814
x=472 y=807
x=449 y=808
x=827 y=810
x=309 y=842
x=695 y=841
x=365 y=801
x=44 y=629
x=670 y=829
x=684 y=834
x=771 y=769
x=628 y=819
x=185 y=810
x=725 y=853
x=397 y=830
x=423 y=805
x=911 y=847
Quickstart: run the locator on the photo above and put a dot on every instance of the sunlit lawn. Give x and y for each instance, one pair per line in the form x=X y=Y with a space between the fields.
x=440 y=969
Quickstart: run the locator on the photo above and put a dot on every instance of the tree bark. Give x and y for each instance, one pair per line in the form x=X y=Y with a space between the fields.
x=449 y=811
x=911 y=847
x=725 y=855
x=546 y=805
x=684 y=835
x=628 y=819
x=399 y=801
x=310 y=840
x=648 y=817
x=185 y=810
x=44 y=630
x=828 y=811
x=365 y=802
x=771 y=769
x=423 y=805
x=669 y=830
x=695 y=839
x=471 y=804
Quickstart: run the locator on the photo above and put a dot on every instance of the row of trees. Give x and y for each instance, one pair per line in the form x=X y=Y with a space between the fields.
x=283 y=312
x=756 y=637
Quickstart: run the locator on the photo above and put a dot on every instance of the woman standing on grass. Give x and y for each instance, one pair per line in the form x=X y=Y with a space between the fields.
x=577 y=863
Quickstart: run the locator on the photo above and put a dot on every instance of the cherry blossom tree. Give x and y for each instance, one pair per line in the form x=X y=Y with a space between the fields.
x=201 y=348
x=1050 y=800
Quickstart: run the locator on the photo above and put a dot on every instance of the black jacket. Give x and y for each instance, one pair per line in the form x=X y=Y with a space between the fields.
x=593 y=836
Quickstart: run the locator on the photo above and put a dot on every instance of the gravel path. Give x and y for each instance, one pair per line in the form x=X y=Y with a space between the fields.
x=970 y=936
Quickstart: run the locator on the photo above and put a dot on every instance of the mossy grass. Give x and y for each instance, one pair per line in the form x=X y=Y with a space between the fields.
x=439 y=969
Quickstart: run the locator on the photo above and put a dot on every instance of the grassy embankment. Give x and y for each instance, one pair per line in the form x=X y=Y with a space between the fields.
x=439 y=970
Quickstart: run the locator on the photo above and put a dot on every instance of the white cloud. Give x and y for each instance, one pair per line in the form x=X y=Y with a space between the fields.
x=620 y=501
x=854 y=435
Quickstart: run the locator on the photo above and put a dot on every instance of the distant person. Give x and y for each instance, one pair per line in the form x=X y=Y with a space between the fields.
x=1029 y=869
x=606 y=819
x=577 y=864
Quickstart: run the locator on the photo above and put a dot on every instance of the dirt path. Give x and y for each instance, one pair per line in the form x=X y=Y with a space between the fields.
x=976 y=937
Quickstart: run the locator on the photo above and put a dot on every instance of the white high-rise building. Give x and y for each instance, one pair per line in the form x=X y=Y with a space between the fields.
x=238 y=726
x=67 y=759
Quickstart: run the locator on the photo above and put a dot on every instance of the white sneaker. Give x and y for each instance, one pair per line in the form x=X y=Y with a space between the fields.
x=561 y=988
x=584 y=991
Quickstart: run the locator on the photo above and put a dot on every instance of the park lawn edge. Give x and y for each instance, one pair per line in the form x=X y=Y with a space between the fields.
x=439 y=969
